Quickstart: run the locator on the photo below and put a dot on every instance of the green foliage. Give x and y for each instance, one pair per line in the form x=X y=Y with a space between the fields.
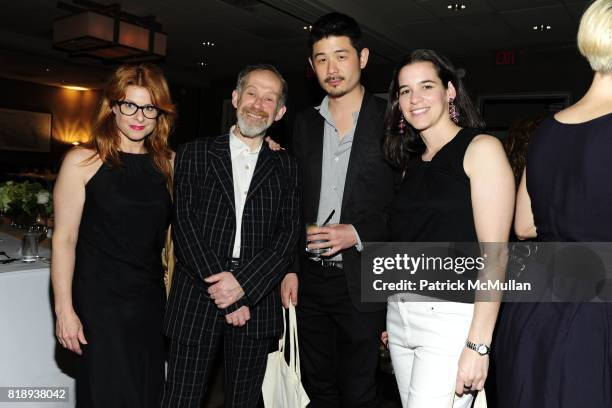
x=24 y=198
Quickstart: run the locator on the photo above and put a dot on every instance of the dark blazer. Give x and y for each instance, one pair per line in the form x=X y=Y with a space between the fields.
x=368 y=189
x=204 y=228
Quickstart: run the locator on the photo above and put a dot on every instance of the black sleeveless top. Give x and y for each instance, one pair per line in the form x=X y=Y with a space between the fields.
x=434 y=202
x=122 y=231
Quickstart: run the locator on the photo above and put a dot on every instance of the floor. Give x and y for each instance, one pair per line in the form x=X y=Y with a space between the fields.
x=388 y=389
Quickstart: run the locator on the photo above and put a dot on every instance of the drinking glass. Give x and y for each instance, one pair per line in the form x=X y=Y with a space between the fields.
x=29 y=247
x=319 y=251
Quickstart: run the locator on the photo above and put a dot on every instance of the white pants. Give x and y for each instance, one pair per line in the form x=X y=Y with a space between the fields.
x=425 y=342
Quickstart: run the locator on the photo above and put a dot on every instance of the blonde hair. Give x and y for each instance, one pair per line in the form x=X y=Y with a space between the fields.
x=595 y=35
x=106 y=140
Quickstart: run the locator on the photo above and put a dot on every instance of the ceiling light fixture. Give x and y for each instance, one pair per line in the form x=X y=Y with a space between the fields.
x=456 y=6
x=75 y=88
x=307 y=27
x=541 y=27
x=208 y=44
x=202 y=64
x=107 y=32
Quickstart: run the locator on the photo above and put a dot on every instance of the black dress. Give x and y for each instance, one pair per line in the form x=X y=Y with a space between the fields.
x=118 y=285
x=559 y=355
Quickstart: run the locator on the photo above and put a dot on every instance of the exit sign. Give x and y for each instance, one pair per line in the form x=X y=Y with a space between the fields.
x=505 y=57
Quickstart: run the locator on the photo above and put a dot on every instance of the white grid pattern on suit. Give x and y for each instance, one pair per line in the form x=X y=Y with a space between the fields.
x=204 y=227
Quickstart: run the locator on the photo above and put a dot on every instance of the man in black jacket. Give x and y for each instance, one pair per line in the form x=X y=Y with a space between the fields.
x=338 y=146
x=236 y=224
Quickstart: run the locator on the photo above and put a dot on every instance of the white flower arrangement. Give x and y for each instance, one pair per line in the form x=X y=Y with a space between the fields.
x=24 y=198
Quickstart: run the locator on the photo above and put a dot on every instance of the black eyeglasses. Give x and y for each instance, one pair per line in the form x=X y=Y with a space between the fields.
x=130 y=109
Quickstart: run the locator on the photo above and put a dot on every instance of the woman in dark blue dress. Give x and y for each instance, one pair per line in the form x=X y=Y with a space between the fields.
x=559 y=355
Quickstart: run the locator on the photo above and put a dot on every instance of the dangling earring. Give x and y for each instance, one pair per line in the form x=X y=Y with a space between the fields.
x=452 y=110
x=401 y=125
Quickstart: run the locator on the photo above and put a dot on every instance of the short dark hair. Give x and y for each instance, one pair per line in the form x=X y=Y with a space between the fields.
x=336 y=25
x=242 y=76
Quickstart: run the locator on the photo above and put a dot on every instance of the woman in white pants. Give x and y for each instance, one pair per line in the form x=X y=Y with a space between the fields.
x=457 y=187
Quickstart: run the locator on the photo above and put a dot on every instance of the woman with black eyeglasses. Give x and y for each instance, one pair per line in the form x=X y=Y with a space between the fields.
x=112 y=210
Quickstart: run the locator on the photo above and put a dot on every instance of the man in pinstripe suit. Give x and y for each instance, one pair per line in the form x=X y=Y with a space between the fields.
x=236 y=224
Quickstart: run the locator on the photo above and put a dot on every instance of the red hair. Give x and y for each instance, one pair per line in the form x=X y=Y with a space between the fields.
x=106 y=140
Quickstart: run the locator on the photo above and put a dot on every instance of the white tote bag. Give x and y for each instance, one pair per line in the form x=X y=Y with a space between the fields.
x=282 y=386
x=480 y=402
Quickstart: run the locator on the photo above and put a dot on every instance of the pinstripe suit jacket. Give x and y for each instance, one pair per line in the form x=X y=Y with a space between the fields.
x=204 y=229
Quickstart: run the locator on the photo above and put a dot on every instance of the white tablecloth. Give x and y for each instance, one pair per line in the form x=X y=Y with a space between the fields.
x=29 y=353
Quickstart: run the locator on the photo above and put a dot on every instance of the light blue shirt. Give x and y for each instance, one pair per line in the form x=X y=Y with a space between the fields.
x=336 y=155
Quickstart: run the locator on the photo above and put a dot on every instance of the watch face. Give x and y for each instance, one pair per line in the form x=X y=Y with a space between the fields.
x=482 y=349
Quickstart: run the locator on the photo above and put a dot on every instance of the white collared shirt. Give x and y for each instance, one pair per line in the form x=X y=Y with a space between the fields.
x=243 y=166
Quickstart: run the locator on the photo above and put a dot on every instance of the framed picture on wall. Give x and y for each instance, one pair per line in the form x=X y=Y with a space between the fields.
x=501 y=112
x=25 y=130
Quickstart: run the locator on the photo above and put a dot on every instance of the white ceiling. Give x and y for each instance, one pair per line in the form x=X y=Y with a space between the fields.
x=246 y=31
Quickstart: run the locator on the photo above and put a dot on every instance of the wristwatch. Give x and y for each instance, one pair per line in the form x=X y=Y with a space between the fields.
x=481 y=349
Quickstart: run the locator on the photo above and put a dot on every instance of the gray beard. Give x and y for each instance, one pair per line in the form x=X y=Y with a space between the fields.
x=250 y=130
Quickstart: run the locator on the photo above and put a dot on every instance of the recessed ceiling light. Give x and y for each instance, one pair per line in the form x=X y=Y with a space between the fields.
x=456 y=6
x=208 y=44
x=47 y=69
x=541 y=27
x=307 y=27
x=202 y=64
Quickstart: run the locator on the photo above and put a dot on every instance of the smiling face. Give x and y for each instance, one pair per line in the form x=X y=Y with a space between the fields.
x=135 y=127
x=338 y=65
x=423 y=99
x=257 y=105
